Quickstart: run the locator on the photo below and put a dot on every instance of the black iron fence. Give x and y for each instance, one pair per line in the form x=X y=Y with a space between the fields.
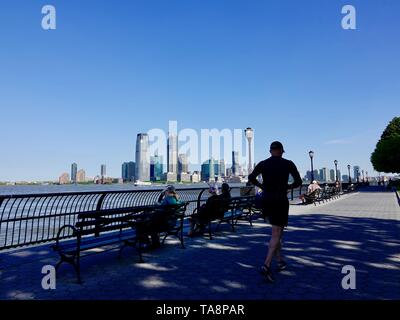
x=30 y=219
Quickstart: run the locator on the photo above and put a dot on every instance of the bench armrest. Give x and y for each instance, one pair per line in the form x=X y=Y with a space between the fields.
x=57 y=245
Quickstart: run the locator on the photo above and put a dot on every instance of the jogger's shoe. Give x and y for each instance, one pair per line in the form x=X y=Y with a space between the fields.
x=267 y=273
x=282 y=265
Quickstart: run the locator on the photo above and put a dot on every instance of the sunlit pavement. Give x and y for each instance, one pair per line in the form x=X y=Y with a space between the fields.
x=361 y=230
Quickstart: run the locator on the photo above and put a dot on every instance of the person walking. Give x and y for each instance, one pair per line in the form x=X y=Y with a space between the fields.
x=275 y=173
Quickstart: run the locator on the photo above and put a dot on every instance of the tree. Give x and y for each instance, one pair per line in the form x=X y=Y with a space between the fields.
x=386 y=157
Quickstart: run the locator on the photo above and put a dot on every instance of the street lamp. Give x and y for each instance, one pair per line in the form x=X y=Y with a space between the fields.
x=311 y=154
x=348 y=168
x=336 y=172
x=249 y=133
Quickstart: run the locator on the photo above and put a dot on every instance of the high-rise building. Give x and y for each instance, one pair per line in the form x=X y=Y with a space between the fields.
x=103 y=170
x=207 y=171
x=235 y=163
x=74 y=170
x=217 y=170
x=332 y=175
x=339 y=175
x=142 y=157
x=183 y=165
x=128 y=171
x=316 y=175
x=172 y=154
x=323 y=174
x=356 y=172
x=64 y=178
x=249 y=132
x=156 y=168
x=195 y=177
x=81 y=176
x=222 y=168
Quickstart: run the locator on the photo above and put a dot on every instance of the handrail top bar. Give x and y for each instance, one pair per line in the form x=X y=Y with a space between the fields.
x=100 y=192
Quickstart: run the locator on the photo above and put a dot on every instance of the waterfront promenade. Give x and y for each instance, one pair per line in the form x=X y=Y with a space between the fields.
x=360 y=229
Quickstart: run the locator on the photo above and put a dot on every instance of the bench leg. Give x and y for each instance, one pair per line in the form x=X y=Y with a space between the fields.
x=233 y=225
x=78 y=268
x=72 y=260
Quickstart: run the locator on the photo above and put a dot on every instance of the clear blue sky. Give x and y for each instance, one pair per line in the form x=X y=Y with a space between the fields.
x=112 y=69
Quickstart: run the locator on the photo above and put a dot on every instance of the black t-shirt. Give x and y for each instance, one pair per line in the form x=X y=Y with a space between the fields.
x=275 y=172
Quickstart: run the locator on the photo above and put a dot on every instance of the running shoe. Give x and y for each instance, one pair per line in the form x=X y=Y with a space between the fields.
x=282 y=265
x=267 y=273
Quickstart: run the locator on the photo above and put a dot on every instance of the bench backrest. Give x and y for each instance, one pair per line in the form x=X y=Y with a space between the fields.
x=117 y=219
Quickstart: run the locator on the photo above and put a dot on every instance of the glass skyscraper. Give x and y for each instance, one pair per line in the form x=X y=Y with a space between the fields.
x=172 y=154
x=156 y=168
x=128 y=171
x=74 y=170
x=142 y=157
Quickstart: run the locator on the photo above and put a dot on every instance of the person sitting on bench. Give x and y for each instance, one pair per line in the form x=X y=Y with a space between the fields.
x=311 y=191
x=161 y=219
x=214 y=208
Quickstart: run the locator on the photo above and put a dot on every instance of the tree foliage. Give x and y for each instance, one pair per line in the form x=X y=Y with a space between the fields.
x=386 y=157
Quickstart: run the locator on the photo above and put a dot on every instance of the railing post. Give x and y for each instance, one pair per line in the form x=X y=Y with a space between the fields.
x=98 y=208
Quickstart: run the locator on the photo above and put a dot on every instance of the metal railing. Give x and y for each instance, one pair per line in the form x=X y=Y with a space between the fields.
x=30 y=219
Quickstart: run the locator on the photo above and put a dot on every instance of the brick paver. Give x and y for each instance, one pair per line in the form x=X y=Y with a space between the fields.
x=361 y=229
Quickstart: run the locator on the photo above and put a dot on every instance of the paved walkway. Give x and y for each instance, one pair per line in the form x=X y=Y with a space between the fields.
x=362 y=230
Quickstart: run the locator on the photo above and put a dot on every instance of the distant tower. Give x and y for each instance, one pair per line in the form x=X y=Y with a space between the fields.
x=156 y=168
x=183 y=166
x=81 y=176
x=235 y=163
x=222 y=170
x=172 y=156
x=249 y=132
x=74 y=171
x=103 y=171
x=142 y=157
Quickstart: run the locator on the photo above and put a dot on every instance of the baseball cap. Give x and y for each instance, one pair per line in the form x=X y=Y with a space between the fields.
x=276 y=145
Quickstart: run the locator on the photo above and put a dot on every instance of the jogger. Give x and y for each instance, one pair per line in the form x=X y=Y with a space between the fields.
x=275 y=173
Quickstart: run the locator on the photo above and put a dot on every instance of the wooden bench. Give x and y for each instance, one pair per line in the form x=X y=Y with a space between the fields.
x=237 y=208
x=126 y=227
x=311 y=197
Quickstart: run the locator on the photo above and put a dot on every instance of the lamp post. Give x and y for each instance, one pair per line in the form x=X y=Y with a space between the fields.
x=311 y=154
x=336 y=172
x=366 y=176
x=249 y=133
x=348 y=168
